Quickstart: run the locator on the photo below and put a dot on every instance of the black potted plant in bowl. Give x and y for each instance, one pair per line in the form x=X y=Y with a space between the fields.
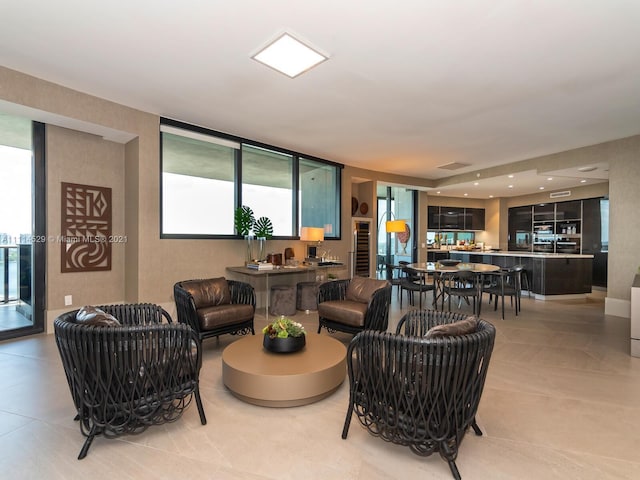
x=284 y=336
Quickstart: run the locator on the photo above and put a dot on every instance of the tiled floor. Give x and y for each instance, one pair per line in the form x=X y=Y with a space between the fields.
x=562 y=401
x=10 y=318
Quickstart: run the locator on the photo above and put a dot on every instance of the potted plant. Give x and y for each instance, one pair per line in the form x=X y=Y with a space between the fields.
x=284 y=336
x=263 y=230
x=243 y=220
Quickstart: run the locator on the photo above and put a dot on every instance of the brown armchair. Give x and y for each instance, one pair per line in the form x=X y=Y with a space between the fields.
x=215 y=306
x=354 y=305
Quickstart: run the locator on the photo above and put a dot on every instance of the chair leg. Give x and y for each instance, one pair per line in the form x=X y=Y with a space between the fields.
x=449 y=455
x=347 y=421
x=85 y=448
x=203 y=418
x=454 y=470
x=476 y=428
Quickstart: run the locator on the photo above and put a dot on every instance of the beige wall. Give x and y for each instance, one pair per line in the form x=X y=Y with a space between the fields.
x=152 y=266
x=624 y=216
x=76 y=157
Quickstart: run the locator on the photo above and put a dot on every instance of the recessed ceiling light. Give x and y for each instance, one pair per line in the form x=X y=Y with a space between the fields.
x=587 y=169
x=540 y=188
x=583 y=181
x=289 y=56
x=476 y=183
x=550 y=178
x=510 y=176
x=509 y=186
x=466 y=194
x=490 y=196
x=438 y=192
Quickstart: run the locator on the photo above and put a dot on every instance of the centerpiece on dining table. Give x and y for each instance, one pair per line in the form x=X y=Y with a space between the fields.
x=284 y=336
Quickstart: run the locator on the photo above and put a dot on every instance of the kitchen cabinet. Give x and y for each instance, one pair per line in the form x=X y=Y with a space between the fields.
x=595 y=216
x=474 y=219
x=544 y=212
x=455 y=218
x=433 y=218
x=520 y=221
x=451 y=218
x=569 y=210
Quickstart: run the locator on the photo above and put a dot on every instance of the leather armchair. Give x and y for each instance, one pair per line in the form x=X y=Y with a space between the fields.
x=215 y=306
x=354 y=305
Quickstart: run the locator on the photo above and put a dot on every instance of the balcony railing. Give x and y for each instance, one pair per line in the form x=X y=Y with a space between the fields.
x=9 y=279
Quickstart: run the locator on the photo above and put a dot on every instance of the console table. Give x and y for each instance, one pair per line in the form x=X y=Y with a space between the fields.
x=307 y=270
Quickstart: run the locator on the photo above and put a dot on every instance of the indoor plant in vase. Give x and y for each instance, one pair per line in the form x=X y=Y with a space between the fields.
x=284 y=336
x=243 y=220
x=263 y=230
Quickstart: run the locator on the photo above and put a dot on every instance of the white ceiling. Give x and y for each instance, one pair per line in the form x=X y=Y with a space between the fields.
x=409 y=85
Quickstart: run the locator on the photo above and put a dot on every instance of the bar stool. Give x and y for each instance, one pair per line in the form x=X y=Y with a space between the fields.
x=307 y=296
x=283 y=300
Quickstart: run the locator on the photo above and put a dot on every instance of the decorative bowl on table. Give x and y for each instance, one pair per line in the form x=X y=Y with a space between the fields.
x=284 y=336
x=449 y=262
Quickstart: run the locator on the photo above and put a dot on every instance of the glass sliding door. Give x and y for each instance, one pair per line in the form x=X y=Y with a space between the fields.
x=22 y=233
x=396 y=203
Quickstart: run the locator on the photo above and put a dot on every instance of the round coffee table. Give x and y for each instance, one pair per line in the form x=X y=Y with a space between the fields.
x=284 y=379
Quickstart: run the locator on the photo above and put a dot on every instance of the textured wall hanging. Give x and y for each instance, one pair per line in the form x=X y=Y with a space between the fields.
x=86 y=228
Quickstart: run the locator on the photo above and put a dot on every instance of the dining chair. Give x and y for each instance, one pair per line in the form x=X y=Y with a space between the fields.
x=414 y=281
x=393 y=274
x=465 y=285
x=506 y=282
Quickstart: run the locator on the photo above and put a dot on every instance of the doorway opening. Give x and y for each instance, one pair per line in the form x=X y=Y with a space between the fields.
x=22 y=226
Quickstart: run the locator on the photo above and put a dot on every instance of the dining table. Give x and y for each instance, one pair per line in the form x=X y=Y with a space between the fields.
x=442 y=271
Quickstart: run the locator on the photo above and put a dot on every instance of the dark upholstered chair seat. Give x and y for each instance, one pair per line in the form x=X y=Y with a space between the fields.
x=354 y=305
x=348 y=312
x=221 y=315
x=215 y=306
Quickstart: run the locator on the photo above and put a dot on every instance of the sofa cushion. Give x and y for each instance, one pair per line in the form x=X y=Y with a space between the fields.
x=209 y=292
x=90 y=315
x=348 y=312
x=214 y=317
x=461 y=327
x=361 y=289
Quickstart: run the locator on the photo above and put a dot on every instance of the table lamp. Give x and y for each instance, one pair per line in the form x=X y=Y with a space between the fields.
x=312 y=234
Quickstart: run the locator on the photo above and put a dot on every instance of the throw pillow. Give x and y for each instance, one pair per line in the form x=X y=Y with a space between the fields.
x=92 y=316
x=461 y=327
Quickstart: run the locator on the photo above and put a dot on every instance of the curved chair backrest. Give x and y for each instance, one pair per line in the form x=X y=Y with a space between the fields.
x=417 y=391
x=125 y=378
x=418 y=322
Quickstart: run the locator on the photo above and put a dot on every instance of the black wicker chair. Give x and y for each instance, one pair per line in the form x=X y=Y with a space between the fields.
x=417 y=391
x=354 y=305
x=126 y=378
x=210 y=310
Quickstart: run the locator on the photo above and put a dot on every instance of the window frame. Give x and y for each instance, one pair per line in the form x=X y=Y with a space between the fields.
x=237 y=179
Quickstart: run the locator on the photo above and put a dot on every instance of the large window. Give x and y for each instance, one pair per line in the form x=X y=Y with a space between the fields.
x=319 y=185
x=267 y=186
x=207 y=175
x=197 y=185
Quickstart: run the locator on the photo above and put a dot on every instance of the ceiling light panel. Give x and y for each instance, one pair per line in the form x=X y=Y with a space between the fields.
x=289 y=56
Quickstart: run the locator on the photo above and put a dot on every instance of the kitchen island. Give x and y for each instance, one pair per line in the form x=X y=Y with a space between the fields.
x=548 y=274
